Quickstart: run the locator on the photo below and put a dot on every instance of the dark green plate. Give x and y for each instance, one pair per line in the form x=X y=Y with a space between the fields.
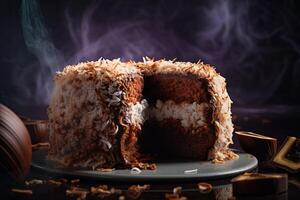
x=206 y=170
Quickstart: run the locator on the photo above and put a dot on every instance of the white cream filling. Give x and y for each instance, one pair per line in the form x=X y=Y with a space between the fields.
x=190 y=114
x=137 y=113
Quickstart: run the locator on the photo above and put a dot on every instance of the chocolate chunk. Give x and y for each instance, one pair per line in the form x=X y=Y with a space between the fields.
x=262 y=147
x=288 y=156
x=259 y=184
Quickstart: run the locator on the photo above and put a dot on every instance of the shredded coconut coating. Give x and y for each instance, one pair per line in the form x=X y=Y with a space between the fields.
x=220 y=101
x=83 y=112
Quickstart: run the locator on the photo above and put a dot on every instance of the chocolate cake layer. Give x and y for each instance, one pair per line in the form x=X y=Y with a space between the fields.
x=175 y=86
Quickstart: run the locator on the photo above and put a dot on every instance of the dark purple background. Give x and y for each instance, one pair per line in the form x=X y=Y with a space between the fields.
x=254 y=44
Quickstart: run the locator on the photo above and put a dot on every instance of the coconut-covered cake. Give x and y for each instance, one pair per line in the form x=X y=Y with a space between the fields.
x=110 y=113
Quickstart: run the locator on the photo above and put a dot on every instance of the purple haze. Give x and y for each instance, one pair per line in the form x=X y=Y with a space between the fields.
x=234 y=36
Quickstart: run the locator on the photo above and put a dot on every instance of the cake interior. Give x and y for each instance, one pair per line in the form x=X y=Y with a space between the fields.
x=175 y=119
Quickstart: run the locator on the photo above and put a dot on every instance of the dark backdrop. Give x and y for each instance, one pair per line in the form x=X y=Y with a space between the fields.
x=254 y=44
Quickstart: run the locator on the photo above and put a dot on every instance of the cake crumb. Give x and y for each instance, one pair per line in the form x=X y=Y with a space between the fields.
x=135 y=170
x=34 y=182
x=75 y=181
x=191 y=171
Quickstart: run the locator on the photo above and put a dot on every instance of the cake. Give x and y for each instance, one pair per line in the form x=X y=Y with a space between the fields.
x=109 y=113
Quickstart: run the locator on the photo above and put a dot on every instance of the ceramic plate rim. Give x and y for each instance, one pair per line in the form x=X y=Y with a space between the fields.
x=39 y=161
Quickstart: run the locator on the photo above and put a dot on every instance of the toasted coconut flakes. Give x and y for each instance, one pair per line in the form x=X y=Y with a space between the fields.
x=107 y=143
x=34 y=182
x=191 y=171
x=116 y=131
x=205 y=187
x=135 y=170
x=105 y=125
x=22 y=191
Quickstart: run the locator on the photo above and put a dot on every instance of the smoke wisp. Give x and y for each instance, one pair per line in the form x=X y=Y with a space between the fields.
x=256 y=53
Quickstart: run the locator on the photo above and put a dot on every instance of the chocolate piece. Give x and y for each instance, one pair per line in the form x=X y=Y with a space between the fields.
x=259 y=184
x=288 y=156
x=38 y=129
x=262 y=147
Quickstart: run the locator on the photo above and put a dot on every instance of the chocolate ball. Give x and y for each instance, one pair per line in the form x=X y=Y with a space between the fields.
x=15 y=145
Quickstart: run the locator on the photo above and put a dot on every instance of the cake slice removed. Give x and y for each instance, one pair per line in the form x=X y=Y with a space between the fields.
x=190 y=111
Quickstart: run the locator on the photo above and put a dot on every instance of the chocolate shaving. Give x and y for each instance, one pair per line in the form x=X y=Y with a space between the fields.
x=54 y=182
x=41 y=145
x=115 y=191
x=101 y=191
x=62 y=180
x=75 y=181
x=105 y=169
x=22 y=191
x=78 y=192
x=121 y=197
x=135 y=191
x=169 y=196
